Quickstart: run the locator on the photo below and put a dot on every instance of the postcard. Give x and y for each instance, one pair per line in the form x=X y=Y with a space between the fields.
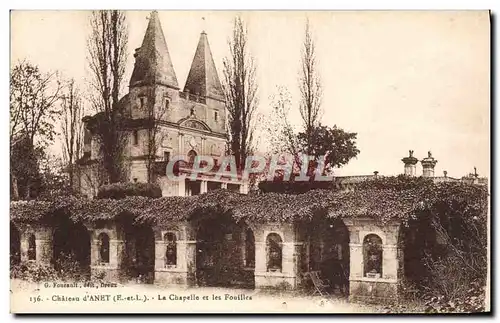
x=250 y=162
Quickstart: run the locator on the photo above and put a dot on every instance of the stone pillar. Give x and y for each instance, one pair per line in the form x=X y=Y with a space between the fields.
x=203 y=144
x=244 y=188
x=160 y=249
x=190 y=262
x=24 y=246
x=410 y=164
x=375 y=289
x=203 y=187
x=224 y=185
x=390 y=261
x=287 y=257
x=356 y=261
x=260 y=257
x=43 y=243
x=44 y=251
x=181 y=143
x=182 y=187
x=428 y=165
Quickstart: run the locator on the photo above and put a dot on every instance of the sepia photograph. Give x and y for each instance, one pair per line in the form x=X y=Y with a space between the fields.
x=166 y=161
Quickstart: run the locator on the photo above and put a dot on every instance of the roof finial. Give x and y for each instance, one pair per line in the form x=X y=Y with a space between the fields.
x=203 y=25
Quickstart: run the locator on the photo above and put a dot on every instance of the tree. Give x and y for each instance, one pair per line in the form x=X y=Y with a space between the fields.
x=336 y=145
x=107 y=53
x=154 y=134
x=72 y=128
x=33 y=111
x=54 y=178
x=310 y=88
x=240 y=90
x=24 y=168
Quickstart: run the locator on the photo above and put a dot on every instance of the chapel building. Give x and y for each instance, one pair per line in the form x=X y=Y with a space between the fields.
x=191 y=121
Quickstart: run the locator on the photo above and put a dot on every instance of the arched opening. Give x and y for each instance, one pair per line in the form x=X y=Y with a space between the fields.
x=71 y=248
x=220 y=246
x=103 y=248
x=372 y=256
x=15 y=245
x=191 y=156
x=140 y=252
x=328 y=245
x=274 y=246
x=32 y=247
x=170 y=249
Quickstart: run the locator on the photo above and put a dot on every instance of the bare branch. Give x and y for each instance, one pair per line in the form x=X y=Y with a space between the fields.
x=107 y=44
x=240 y=90
x=309 y=86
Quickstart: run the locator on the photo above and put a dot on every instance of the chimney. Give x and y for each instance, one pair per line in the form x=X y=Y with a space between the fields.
x=410 y=164
x=428 y=165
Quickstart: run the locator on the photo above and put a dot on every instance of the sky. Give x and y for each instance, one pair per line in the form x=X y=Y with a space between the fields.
x=400 y=80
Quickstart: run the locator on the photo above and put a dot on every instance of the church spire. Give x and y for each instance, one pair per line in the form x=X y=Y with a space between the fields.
x=203 y=78
x=152 y=60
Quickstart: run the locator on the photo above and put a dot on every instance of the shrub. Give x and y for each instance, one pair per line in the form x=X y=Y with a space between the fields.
x=68 y=267
x=33 y=272
x=121 y=190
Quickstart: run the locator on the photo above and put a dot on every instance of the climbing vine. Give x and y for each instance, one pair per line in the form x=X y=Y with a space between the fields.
x=382 y=199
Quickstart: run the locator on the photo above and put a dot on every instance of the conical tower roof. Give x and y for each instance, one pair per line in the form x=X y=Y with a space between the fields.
x=203 y=78
x=152 y=60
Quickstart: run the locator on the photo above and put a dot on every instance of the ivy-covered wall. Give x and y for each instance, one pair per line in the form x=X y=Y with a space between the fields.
x=380 y=206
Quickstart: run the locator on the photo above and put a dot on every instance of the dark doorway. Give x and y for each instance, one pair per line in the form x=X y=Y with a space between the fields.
x=329 y=252
x=15 y=245
x=139 y=255
x=71 y=248
x=220 y=253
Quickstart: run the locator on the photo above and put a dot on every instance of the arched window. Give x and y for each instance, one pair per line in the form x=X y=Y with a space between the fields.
x=170 y=249
x=372 y=255
x=191 y=156
x=103 y=248
x=32 y=247
x=274 y=252
x=249 y=249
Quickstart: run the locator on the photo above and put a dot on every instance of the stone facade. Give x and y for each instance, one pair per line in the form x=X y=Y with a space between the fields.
x=190 y=121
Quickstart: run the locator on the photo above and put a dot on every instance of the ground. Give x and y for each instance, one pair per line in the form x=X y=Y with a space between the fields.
x=24 y=299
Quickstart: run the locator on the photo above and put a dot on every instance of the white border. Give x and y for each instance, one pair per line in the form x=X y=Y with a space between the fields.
x=199 y=4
